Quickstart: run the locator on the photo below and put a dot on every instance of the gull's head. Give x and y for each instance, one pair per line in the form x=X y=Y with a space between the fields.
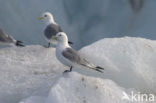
x=47 y=17
x=62 y=37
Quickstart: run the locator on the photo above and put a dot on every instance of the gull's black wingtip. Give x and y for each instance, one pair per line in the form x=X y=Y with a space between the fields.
x=70 y=42
x=98 y=67
x=99 y=70
x=19 y=43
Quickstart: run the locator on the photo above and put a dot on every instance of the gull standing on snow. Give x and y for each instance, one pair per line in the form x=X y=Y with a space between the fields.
x=69 y=56
x=51 y=29
x=8 y=40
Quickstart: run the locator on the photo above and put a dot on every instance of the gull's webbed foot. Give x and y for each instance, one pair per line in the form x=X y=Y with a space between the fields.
x=68 y=70
x=47 y=46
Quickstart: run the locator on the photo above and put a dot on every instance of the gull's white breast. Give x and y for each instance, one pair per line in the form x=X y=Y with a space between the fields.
x=61 y=58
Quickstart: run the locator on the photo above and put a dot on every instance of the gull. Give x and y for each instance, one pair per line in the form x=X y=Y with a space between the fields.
x=51 y=28
x=69 y=57
x=9 y=40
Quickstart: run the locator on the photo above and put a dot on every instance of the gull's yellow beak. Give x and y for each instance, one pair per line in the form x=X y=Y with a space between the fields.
x=53 y=37
x=40 y=18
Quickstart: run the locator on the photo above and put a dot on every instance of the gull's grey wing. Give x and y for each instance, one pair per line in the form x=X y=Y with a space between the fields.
x=52 y=29
x=73 y=56
x=4 y=37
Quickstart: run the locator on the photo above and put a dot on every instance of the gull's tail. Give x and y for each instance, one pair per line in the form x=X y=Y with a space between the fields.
x=99 y=69
x=92 y=66
x=19 y=43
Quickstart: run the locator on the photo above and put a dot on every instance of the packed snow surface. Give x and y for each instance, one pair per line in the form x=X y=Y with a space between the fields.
x=25 y=70
x=33 y=74
x=128 y=61
x=77 y=88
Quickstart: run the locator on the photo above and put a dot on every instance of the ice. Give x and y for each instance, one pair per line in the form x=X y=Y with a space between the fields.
x=34 y=99
x=79 y=19
x=25 y=70
x=32 y=74
x=128 y=61
x=77 y=88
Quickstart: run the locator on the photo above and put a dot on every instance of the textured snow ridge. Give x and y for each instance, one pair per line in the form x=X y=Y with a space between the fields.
x=26 y=70
x=128 y=61
x=77 y=88
x=33 y=74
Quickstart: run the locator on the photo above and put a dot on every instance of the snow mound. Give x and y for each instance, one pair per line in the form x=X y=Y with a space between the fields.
x=34 y=99
x=34 y=73
x=130 y=62
x=77 y=88
x=25 y=70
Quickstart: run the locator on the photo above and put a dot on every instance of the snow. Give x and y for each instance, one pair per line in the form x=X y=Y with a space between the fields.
x=24 y=70
x=76 y=88
x=128 y=61
x=34 y=99
x=32 y=74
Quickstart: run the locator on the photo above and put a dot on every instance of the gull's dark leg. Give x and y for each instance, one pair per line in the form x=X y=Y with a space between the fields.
x=71 y=68
x=68 y=70
x=47 y=46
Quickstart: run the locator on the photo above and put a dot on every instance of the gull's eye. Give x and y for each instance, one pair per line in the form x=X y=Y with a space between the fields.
x=45 y=15
x=60 y=35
